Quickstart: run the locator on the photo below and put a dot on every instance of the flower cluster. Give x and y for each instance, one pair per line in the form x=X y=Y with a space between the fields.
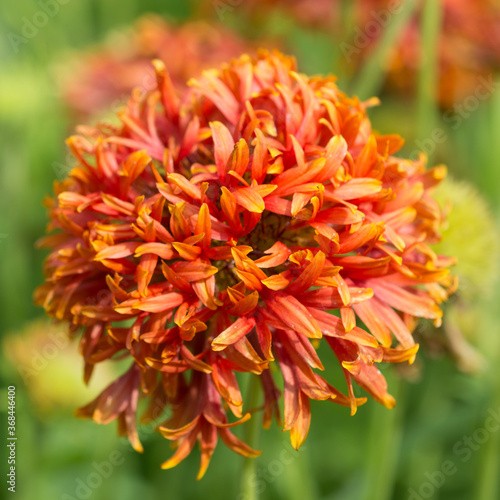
x=234 y=228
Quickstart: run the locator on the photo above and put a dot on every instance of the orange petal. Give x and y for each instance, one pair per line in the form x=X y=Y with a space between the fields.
x=182 y=452
x=229 y=207
x=355 y=188
x=309 y=275
x=370 y=316
x=175 y=279
x=163 y=250
x=238 y=161
x=158 y=303
x=241 y=327
x=348 y=318
x=260 y=157
x=289 y=310
x=404 y=300
x=186 y=186
x=223 y=147
x=226 y=383
x=276 y=282
x=204 y=226
x=300 y=428
x=249 y=199
x=245 y=306
x=194 y=270
x=187 y=252
x=275 y=256
x=208 y=442
x=118 y=251
x=265 y=339
x=238 y=446
x=367 y=158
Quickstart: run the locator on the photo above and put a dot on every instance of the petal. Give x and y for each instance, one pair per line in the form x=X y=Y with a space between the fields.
x=118 y=251
x=370 y=316
x=185 y=448
x=194 y=270
x=163 y=250
x=204 y=226
x=275 y=256
x=154 y=304
x=235 y=444
x=186 y=186
x=295 y=315
x=276 y=282
x=226 y=383
x=405 y=300
x=249 y=199
x=241 y=327
x=208 y=442
x=299 y=430
x=187 y=252
x=309 y=275
x=223 y=147
x=348 y=318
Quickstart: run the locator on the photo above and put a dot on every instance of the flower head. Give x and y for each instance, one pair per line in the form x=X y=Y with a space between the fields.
x=232 y=228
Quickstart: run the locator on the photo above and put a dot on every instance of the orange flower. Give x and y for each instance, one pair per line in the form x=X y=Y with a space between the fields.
x=320 y=13
x=230 y=228
x=107 y=75
x=468 y=46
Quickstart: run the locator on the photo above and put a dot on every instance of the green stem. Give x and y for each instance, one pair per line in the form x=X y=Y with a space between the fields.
x=384 y=446
x=428 y=75
x=251 y=436
x=371 y=75
x=487 y=481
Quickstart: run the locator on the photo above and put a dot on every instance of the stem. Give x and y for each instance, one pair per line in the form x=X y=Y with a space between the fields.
x=384 y=446
x=251 y=435
x=428 y=74
x=487 y=482
x=371 y=75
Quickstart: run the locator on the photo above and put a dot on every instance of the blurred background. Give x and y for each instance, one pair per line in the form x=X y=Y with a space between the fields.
x=434 y=66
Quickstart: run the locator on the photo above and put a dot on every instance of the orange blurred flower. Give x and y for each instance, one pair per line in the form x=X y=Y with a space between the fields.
x=107 y=75
x=320 y=13
x=468 y=46
x=232 y=228
x=468 y=41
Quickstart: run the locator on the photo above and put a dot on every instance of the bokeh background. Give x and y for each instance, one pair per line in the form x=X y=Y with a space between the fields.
x=434 y=444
